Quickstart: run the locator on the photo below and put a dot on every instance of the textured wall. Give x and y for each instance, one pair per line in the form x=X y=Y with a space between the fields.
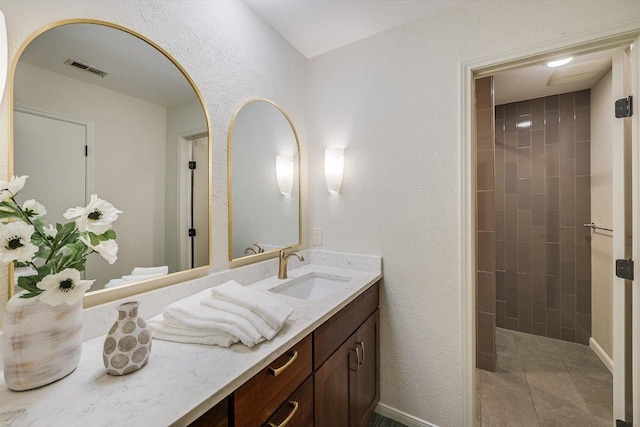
x=230 y=53
x=393 y=102
x=602 y=214
x=543 y=256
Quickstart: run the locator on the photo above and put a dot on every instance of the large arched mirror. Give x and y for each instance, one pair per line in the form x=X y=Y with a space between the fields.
x=98 y=109
x=264 y=180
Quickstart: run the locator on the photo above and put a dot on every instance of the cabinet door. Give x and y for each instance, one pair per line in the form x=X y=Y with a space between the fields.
x=335 y=387
x=368 y=374
x=214 y=417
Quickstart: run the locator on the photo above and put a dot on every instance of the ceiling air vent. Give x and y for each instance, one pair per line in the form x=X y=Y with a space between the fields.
x=85 y=67
x=579 y=72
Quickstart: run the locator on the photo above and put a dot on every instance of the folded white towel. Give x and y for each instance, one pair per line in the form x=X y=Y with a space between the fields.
x=160 y=330
x=189 y=313
x=263 y=327
x=150 y=270
x=274 y=312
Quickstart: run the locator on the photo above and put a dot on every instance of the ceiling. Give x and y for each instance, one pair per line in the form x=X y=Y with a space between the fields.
x=318 y=26
x=135 y=68
x=532 y=81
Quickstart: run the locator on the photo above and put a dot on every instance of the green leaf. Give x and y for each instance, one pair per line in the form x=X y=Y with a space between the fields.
x=95 y=241
x=109 y=235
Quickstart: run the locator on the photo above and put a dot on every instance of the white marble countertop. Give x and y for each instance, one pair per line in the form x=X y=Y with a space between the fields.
x=181 y=381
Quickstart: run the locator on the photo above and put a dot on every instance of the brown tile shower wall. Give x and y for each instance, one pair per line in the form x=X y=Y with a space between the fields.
x=485 y=226
x=542 y=200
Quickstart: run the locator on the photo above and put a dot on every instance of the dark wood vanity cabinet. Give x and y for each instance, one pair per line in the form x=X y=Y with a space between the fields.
x=329 y=379
x=347 y=385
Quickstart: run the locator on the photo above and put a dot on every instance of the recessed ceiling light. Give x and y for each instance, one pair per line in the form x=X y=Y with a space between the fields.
x=559 y=62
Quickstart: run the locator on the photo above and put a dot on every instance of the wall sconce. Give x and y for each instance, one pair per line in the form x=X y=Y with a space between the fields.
x=4 y=52
x=334 y=168
x=284 y=173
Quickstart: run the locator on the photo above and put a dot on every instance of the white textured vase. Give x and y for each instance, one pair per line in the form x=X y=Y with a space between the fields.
x=128 y=343
x=41 y=343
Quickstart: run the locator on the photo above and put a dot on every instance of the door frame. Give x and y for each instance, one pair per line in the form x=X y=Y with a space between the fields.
x=182 y=197
x=599 y=39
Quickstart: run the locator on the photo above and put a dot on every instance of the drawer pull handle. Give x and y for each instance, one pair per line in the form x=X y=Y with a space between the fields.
x=292 y=357
x=361 y=344
x=357 y=350
x=289 y=417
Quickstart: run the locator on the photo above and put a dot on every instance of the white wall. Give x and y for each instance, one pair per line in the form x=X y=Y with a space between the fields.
x=602 y=214
x=129 y=161
x=231 y=54
x=393 y=101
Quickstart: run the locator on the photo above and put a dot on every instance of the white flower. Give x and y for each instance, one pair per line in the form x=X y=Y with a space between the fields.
x=34 y=209
x=96 y=217
x=50 y=230
x=65 y=286
x=108 y=249
x=11 y=188
x=15 y=242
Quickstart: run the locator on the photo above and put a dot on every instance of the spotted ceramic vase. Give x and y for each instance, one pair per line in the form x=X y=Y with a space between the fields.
x=42 y=344
x=128 y=344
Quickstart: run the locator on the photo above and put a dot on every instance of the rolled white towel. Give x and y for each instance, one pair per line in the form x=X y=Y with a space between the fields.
x=160 y=330
x=263 y=327
x=115 y=282
x=274 y=312
x=189 y=313
x=142 y=271
x=140 y=277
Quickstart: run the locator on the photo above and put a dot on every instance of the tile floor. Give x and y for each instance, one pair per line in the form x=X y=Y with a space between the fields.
x=543 y=382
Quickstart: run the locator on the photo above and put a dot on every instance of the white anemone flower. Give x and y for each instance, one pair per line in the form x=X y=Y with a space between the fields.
x=50 y=230
x=107 y=249
x=8 y=189
x=15 y=242
x=65 y=286
x=96 y=217
x=34 y=209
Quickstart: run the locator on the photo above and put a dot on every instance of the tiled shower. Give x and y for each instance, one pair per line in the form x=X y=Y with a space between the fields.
x=542 y=199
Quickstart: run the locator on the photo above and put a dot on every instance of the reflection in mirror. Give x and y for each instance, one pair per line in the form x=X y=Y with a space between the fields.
x=264 y=181
x=98 y=110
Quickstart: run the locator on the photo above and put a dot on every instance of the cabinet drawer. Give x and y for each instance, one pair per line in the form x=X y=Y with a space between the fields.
x=297 y=411
x=258 y=398
x=332 y=333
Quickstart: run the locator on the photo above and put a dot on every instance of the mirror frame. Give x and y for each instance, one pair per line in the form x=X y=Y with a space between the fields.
x=102 y=296
x=250 y=259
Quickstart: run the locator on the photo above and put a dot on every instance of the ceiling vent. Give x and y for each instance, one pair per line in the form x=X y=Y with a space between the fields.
x=579 y=72
x=86 y=67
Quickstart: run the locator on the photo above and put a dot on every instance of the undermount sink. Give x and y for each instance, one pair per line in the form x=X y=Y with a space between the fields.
x=311 y=286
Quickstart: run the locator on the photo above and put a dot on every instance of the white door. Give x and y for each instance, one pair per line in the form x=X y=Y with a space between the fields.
x=634 y=60
x=52 y=153
x=623 y=241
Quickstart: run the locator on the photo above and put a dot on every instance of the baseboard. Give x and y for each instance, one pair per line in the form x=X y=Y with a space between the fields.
x=601 y=354
x=401 y=417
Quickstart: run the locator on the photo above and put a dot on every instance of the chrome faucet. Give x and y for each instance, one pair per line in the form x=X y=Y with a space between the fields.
x=282 y=268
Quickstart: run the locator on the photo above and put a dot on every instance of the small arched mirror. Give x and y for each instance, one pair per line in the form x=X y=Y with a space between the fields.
x=100 y=110
x=264 y=180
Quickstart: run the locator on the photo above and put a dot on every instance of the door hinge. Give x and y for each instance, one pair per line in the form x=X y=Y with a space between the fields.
x=86 y=150
x=192 y=164
x=192 y=232
x=620 y=423
x=624 y=107
x=624 y=268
